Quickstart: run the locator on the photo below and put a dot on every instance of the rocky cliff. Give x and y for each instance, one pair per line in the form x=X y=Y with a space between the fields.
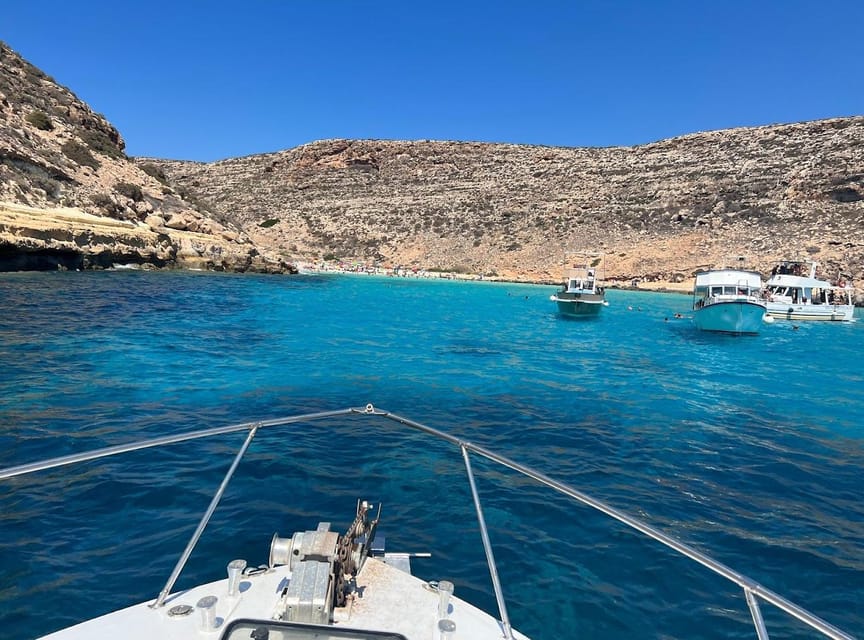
x=658 y=211
x=70 y=198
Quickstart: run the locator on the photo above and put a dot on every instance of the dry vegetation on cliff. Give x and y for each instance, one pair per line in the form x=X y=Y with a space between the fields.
x=658 y=211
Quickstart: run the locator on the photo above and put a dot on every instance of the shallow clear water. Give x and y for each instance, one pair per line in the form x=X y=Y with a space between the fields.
x=748 y=448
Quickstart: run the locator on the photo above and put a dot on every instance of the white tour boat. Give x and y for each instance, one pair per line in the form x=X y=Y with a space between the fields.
x=581 y=295
x=321 y=584
x=795 y=293
x=728 y=301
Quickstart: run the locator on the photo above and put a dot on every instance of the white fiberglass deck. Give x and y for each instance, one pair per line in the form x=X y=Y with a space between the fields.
x=387 y=599
x=382 y=598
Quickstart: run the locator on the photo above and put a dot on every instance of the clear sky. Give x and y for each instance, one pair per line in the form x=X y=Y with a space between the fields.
x=204 y=80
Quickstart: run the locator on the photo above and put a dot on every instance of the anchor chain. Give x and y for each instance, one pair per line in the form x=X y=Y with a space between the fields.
x=352 y=549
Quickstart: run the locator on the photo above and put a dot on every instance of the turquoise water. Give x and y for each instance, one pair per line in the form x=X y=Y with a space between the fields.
x=748 y=448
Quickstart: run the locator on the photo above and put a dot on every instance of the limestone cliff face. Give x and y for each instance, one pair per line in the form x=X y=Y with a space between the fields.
x=70 y=198
x=658 y=211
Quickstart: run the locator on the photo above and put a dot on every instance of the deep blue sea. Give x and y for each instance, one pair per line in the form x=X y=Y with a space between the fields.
x=750 y=449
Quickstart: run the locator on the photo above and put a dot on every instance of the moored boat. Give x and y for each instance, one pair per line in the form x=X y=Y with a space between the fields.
x=581 y=295
x=795 y=293
x=320 y=584
x=728 y=301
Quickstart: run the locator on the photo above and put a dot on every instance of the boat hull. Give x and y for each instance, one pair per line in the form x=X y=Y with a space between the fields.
x=580 y=307
x=385 y=589
x=806 y=312
x=735 y=317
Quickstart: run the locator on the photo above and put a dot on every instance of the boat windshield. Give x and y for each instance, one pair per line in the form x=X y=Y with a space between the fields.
x=732 y=290
x=274 y=630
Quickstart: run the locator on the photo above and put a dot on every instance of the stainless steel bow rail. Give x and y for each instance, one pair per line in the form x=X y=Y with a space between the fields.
x=753 y=591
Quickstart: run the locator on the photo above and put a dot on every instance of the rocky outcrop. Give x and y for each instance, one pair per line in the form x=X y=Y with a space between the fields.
x=70 y=198
x=67 y=238
x=658 y=211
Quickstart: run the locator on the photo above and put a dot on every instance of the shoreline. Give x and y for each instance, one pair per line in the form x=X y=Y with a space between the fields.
x=306 y=268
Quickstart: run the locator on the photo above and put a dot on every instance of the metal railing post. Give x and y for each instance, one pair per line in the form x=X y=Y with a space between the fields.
x=160 y=600
x=756 y=612
x=487 y=545
x=753 y=591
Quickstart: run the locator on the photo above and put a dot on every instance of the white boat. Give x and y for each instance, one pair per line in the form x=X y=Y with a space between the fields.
x=321 y=585
x=581 y=294
x=795 y=293
x=728 y=301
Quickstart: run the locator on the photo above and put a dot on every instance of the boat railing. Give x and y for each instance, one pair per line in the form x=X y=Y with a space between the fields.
x=753 y=591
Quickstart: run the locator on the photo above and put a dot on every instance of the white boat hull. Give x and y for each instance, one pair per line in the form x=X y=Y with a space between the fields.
x=795 y=293
x=393 y=600
x=804 y=312
x=735 y=317
x=320 y=584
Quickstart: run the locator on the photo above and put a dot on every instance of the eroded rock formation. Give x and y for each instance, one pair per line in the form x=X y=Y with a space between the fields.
x=658 y=212
x=70 y=198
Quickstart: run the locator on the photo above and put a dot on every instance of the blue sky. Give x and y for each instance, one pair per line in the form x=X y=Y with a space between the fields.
x=204 y=80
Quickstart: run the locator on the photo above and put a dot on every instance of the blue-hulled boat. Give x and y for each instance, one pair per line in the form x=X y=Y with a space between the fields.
x=729 y=301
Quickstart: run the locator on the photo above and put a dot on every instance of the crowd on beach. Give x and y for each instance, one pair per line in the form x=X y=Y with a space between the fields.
x=400 y=271
x=378 y=270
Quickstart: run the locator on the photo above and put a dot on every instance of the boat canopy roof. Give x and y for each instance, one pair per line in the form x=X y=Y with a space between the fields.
x=788 y=280
x=728 y=276
x=581 y=272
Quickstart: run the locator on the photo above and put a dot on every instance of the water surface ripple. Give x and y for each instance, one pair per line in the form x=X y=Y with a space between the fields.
x=748 y=448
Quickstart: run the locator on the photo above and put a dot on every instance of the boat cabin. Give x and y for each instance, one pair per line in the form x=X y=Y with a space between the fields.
x=732 y=291
x=795 y=283
x=581 y=280
x=726 y=285
x=807 y=294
